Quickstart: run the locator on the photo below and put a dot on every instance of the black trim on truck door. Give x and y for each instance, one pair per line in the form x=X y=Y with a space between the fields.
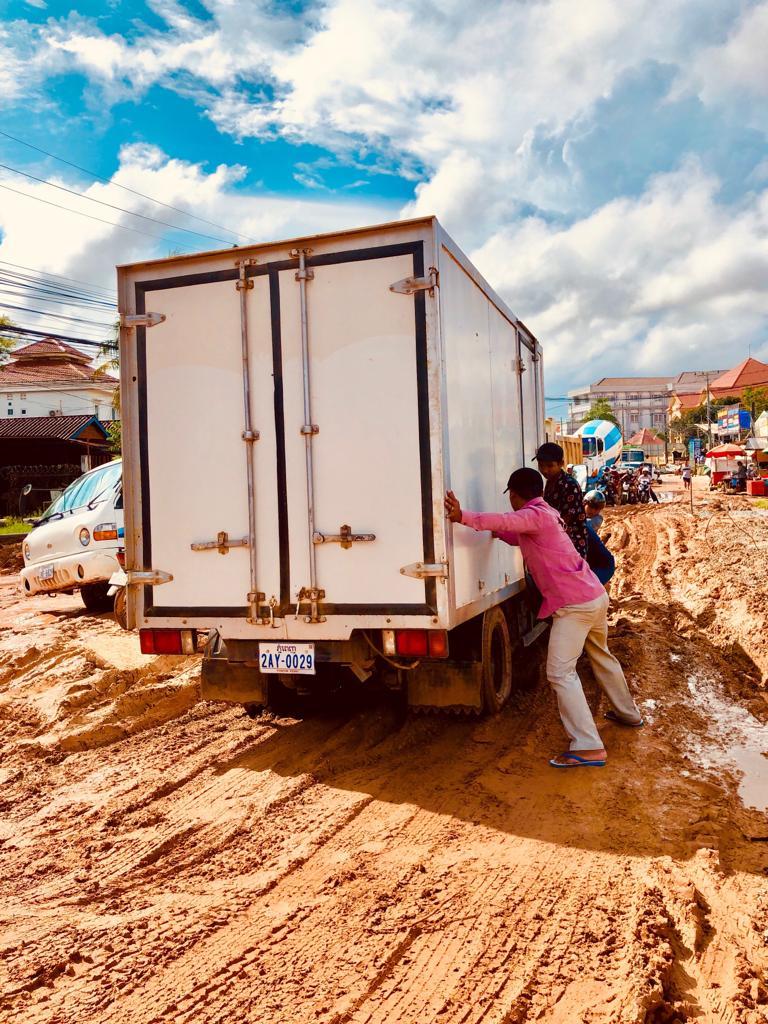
x=416 y=250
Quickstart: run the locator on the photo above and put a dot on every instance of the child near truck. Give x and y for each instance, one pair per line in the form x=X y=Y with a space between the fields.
x=578 y=603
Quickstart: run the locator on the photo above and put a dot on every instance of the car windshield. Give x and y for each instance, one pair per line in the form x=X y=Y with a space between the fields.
x=83 y=490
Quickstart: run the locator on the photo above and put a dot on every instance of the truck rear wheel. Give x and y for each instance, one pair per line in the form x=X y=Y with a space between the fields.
x=120 y=608
x=497 y=661
x=96 y=597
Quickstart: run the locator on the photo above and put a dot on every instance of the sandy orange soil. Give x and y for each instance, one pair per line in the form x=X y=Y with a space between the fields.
x=169 y=860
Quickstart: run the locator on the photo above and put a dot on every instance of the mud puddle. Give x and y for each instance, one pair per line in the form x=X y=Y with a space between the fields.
x=742 y=741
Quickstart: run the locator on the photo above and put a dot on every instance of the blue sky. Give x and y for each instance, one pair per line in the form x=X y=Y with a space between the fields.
x=606 y=165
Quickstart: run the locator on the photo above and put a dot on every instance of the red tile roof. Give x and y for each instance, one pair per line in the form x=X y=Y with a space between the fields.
x=646 y=438
x=750 y=373
x=691 y=401
x=49 y=348
x=53 y=373
x=59 y=428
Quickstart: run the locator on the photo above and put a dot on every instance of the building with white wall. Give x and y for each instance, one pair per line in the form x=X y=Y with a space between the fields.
x=51 y=378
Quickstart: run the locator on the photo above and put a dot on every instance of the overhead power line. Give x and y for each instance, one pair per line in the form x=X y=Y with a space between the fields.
x=55 y=316
x=120 y=209
x=33 y=332
x=79 y=213
x=47 y=274
x=133 y=191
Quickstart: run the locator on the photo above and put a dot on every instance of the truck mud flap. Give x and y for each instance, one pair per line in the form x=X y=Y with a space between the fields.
x=447 y=686
x=232 y=681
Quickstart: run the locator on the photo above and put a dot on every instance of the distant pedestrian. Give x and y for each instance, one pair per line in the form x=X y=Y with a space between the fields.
x=563 y=493
x=573 y=595
x=686 y=477
x=594 y=503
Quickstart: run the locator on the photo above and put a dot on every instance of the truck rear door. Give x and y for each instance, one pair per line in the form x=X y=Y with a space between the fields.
x=367 y=379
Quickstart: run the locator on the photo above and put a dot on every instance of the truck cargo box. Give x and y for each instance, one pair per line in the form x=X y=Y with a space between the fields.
x=292 y=415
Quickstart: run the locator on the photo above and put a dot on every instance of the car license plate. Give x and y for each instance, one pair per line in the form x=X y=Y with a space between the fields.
x=296 y=659
x=46 y=572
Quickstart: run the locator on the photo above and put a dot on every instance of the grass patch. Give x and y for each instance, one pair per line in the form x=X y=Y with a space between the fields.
x=14 y=526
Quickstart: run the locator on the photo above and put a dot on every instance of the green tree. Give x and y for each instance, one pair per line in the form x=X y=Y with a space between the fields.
x=109 y=355
x=7 y=343
x=755 y=400
x=601 y=409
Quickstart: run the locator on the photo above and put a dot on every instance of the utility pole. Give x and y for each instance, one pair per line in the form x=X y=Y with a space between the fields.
x=709 y=413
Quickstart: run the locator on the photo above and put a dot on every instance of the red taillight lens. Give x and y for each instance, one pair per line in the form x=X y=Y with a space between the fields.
x=438 y=643
x=168 y=641
x=411 y=643
x=421 y=643
x=120 y=556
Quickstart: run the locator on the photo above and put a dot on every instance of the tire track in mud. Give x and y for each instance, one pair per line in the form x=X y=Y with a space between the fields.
x=354 y=868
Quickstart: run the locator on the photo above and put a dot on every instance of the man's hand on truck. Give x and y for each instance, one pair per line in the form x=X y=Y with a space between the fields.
x=452 y=507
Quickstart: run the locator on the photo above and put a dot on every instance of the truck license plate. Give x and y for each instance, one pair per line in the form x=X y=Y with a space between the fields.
x=296 y=659
x=46 y=572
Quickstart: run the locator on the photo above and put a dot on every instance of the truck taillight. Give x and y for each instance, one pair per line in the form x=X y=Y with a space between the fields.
x=416 y=643
x=168 y=641
x=120 y=556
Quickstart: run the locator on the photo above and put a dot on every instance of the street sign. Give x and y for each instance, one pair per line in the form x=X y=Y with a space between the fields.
x=694 y=448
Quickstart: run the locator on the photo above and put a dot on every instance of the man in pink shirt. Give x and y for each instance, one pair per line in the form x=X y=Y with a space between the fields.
x=578 y=603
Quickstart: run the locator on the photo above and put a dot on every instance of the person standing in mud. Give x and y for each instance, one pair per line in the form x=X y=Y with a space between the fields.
x=563 y=493
x=686 y=477
x=578 y=604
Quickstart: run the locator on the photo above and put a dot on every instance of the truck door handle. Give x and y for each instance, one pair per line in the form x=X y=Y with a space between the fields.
x=345 y=537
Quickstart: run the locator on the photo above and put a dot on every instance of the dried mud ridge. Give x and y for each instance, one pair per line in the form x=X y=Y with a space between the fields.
x=169 y=860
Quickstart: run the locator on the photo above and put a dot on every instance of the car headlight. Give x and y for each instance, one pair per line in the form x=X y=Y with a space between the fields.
x=85 y=537
x=26 y=552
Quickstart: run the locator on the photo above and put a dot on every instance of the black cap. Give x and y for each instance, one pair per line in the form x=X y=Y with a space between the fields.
x=549 y=452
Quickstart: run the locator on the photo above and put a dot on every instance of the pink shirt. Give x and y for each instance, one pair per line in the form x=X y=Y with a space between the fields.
x=559 y=571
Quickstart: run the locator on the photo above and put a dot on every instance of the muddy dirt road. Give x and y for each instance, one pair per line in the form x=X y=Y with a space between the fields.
x=169 y=860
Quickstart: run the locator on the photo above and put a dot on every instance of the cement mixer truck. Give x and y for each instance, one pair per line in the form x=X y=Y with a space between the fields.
x=601 y=444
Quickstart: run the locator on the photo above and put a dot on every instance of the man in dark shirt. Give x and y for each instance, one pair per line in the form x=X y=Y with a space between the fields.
x=563 y=493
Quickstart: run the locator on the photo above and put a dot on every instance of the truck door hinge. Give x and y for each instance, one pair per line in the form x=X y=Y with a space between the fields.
x=410 y=285
x=131 y=320
x=345 y=537
x=147 y=577
x=424 y=570
x=222 y=544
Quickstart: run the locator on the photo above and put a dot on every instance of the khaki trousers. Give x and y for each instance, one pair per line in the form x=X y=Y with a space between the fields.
x=577 y=628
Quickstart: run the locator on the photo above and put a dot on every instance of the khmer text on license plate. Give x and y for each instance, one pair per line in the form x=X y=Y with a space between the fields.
x=298 y=659
x=46 y=572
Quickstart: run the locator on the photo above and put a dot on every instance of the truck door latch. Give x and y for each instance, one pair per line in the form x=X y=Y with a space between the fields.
x=424 y=570
x=222 y=544
x=345 y=537
x=130 y=320
x=410 y=285
x=147 y=577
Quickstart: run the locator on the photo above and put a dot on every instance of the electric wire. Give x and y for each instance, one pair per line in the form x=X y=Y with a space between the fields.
x=79 y=213
x=31 y=332
x=126 y=188
x=48 y=274
x=120 y=209
x=55 y=316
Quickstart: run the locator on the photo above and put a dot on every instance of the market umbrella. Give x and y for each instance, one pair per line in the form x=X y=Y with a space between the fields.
x=724 y=451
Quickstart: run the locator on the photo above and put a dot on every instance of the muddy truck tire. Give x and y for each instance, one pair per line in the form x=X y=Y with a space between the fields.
x=96 y=597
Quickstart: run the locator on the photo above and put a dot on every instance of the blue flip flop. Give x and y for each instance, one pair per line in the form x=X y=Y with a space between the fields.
x=613 y=717
x=580 y=762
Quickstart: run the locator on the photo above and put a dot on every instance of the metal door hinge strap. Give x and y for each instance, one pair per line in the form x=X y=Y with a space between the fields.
x=131 y=320
x=147 y=577
x=244 y=282
x=422 y=570
x=304 y=273
x=222 y=544
x=345 y=537
x=410 y=285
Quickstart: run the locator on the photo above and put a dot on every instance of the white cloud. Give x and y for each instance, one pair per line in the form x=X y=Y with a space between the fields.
x=662 y=282
x=36 y=235
x=736 y=70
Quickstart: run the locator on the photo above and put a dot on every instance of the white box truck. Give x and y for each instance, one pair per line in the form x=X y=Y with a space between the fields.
x=292 y=415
